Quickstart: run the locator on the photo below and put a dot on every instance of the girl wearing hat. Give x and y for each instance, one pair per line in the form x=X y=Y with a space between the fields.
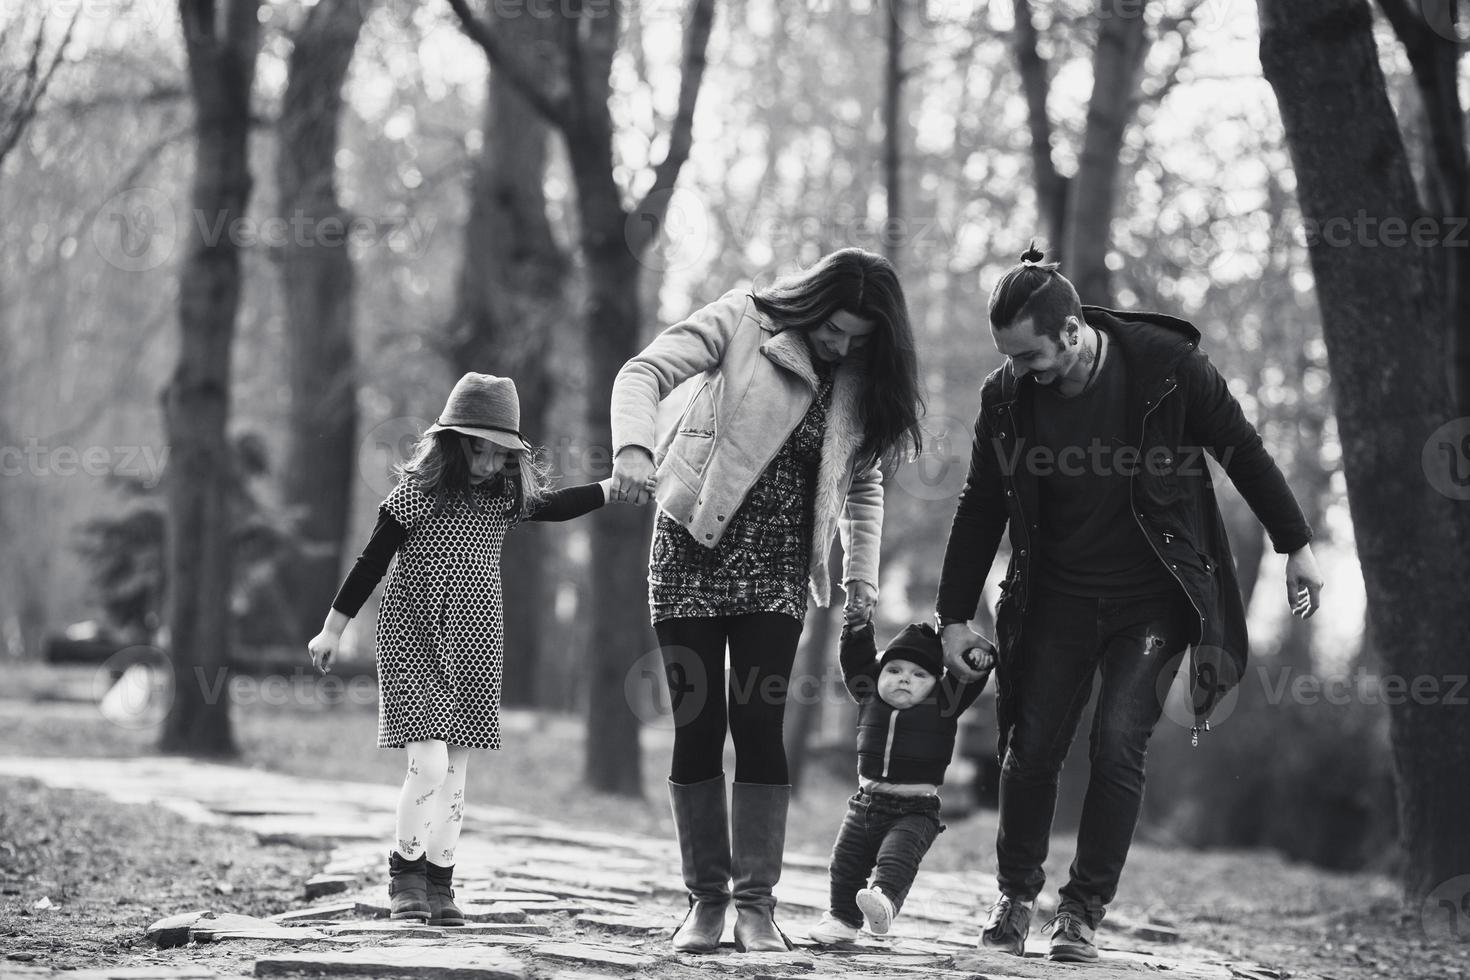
x=440 y=634
x=807 y=386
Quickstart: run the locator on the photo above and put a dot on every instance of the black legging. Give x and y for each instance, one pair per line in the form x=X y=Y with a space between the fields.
x=762 y=651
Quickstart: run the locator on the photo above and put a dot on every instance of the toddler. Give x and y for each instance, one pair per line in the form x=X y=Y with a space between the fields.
x=908 y=713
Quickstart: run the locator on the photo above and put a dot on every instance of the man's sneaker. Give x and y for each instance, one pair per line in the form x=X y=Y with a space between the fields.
x=1007 y=924
x=877 y=910
x=832 y=930
x=1071 y=938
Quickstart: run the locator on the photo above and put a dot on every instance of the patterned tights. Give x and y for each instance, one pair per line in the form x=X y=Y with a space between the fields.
x=431 y=804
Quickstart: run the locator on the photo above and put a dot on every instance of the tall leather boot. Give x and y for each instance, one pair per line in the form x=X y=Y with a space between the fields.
x=758 y=844
x=408 y=887
x=702 y=824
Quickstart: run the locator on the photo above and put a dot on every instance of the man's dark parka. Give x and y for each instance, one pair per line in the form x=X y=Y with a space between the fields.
x=1179 y=407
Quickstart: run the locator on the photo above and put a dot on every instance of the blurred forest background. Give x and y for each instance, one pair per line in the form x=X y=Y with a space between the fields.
x=534 y=189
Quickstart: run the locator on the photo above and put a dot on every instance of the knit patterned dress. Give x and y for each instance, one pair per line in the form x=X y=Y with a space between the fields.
x=762 y=561
x=441 y=631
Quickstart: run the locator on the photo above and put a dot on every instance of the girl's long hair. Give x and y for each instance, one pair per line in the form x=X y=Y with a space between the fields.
x=866 y=285
x=438 y=465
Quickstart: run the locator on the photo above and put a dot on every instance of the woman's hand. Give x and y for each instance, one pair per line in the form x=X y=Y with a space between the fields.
x=607 y=486
x=861 y=598
x=633 y=479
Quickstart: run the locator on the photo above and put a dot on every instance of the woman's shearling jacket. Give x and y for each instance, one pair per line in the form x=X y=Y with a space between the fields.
x=758 y=383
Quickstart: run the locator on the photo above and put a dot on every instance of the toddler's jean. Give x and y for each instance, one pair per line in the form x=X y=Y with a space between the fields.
x=887 y=835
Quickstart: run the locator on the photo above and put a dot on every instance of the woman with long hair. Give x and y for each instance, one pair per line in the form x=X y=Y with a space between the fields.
x=808 y=386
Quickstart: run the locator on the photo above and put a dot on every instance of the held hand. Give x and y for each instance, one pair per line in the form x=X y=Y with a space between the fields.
x=959 y=641
x=607 y=486
x=633 y=478
x=982 y=656
x=861 y=598
x=323 y=648
x=1303 y=583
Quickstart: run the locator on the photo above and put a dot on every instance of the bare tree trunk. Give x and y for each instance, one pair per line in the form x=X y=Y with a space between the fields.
x=1051 y=186
x=893 y=239
x=317 y=285
x=613 y=242
x=511 y=298
x=1121 y=45
x=222 y=47
x=1434 y=54
x=1382 y=315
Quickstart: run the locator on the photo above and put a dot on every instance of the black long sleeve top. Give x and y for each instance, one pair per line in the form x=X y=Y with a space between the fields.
x=387 y=537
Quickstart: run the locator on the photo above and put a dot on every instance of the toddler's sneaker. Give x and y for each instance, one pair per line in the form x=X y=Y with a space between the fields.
x=1071 y=938
x=832 y=930
x=877 y=910
x=1007 y=924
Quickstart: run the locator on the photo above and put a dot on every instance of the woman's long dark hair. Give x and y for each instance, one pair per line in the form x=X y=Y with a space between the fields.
x=866 y=285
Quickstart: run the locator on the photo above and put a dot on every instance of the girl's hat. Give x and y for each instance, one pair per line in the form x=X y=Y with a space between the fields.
x=485 y=406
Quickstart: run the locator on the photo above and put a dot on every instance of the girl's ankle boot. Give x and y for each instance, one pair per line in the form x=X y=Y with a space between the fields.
x=408 y=889
x=442 y=910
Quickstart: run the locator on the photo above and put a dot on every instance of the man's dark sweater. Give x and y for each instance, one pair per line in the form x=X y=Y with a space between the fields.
x=912 y=745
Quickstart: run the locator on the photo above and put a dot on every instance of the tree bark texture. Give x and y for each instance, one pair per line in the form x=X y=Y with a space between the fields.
x=1382 y=315
x=1051 y=186
x=317 y=281
x=1434 y=54
x=222 y=45
x=511 y=296
x=1121 y=45
x=612 y=242
x=893 y=240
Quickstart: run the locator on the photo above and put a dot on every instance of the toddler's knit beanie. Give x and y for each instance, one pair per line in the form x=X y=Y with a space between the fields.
x=918 y=644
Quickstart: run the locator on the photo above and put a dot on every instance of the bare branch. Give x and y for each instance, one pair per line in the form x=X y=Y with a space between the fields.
x=696 y=48
x=551 y=107
x=34 y=87
x=1182 y=26
x=76 y=108
x=1434 y=60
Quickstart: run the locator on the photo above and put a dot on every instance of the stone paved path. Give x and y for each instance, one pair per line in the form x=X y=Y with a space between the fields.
x=545 y=900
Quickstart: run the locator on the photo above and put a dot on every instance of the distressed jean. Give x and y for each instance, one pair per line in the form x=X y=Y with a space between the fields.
x=886 y=835
x=1136 y=645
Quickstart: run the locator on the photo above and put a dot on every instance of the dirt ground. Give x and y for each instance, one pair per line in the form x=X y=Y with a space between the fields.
x=108 y=871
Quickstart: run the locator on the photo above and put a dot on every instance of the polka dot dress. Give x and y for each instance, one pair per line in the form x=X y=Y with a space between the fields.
x=441 y=630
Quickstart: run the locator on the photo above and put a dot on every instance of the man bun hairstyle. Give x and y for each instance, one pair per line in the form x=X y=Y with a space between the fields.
x=1034 y=290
